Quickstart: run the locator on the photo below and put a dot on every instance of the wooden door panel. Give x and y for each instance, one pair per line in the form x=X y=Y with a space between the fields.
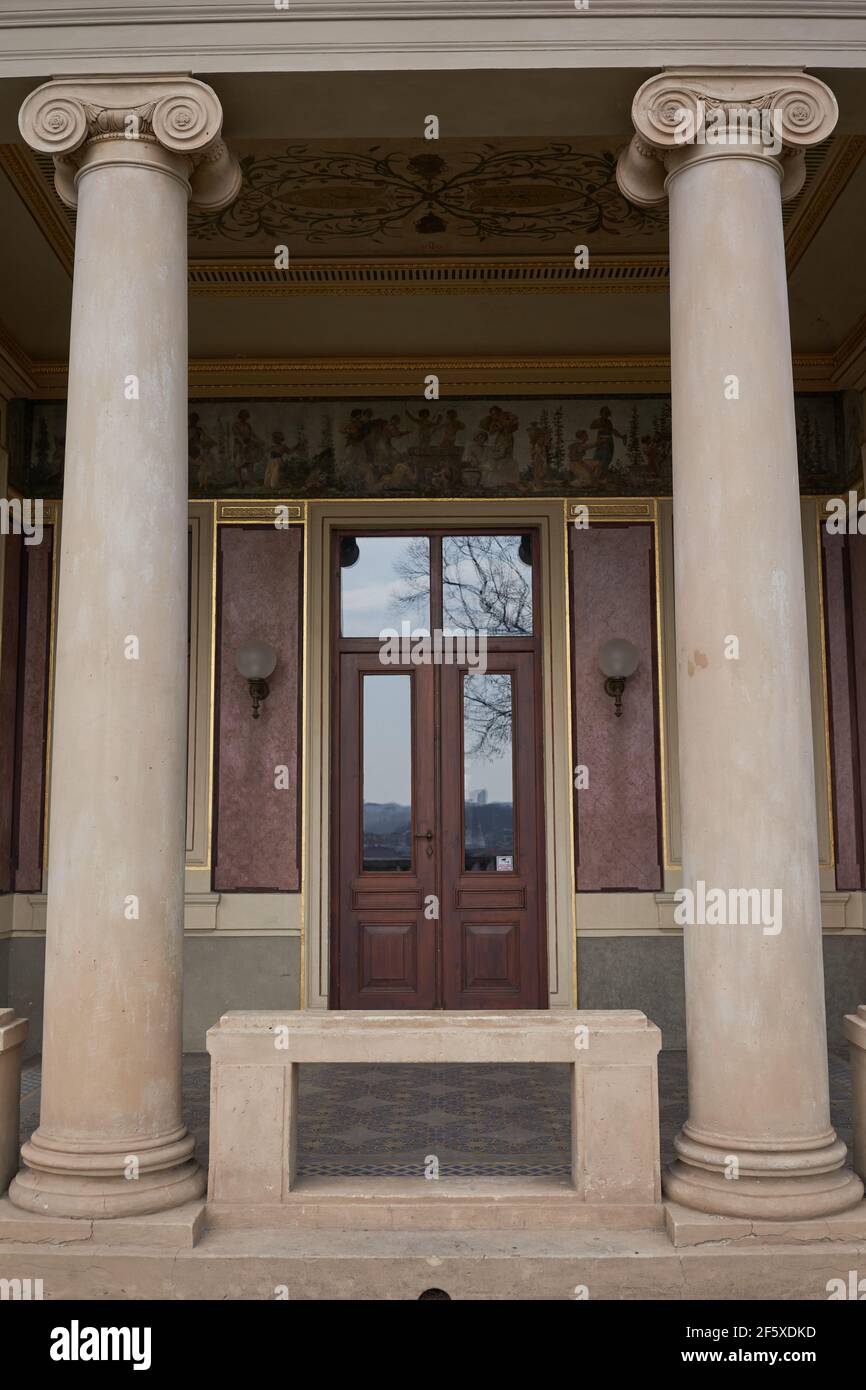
x=388 y=956
x=490 y=959
x=493 y=925
x=387 y=946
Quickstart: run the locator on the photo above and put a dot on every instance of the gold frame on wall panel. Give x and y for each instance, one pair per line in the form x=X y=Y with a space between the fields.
x=239 y=511
x=52 y=513
x=204 y=671
x=820 y=502
x=617 y=510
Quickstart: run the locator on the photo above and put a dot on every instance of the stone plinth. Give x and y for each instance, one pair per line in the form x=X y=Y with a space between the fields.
x=855 y=1032
x=13 y=1031
x=615 y=1129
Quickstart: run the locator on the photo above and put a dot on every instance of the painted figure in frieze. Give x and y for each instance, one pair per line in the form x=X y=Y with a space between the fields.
x=539 y=447
x=247 y=448
x=354 y=460
x=279 y=455
x=451 y=427
x=425 y=424
x=201 y=447
x=606 y=434
x=501 y=425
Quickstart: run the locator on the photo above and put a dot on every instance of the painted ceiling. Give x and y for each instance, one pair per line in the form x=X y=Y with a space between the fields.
x=442 y=197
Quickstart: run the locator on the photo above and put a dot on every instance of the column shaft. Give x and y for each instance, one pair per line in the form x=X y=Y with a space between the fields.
x=111 y=1139
x=758 y=1141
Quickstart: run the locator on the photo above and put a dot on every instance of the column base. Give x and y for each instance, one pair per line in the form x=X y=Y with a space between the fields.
x=88 y=1183
x=774 y=1184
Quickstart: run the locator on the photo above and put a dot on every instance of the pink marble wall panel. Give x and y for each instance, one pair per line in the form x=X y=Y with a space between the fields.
x=8 y=706
x=616 y=815
x=33 y=714
x=257 y=823
x=843 y=727
x=857 y=602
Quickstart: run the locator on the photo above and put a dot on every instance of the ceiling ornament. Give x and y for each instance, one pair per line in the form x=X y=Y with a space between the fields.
x=379 y=195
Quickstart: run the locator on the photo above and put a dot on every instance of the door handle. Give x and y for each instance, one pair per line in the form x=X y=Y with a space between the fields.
x=428 y=836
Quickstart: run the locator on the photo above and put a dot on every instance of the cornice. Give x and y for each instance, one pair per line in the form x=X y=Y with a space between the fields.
x=256 y=378
x=252 y=37
x=625 y=274
x=223 y=11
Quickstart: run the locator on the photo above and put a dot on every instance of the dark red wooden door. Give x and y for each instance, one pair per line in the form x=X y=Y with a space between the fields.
x=387 y=872
x=437 y=839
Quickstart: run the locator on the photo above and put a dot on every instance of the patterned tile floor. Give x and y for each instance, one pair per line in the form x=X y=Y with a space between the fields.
x=476 y=1120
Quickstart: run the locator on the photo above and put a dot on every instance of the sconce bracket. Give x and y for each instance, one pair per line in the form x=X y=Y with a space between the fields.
x=614 y=686
x=259 y=691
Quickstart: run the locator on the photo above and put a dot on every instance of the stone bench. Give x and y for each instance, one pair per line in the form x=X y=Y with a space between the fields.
x=614 y=1110
x=13 y=1031
x=855 y=1032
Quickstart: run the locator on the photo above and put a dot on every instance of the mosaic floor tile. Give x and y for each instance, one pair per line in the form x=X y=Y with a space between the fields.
x=360 y=1120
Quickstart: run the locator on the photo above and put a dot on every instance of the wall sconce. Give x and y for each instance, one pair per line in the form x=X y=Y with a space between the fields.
x=256 y=660
x=617 y=660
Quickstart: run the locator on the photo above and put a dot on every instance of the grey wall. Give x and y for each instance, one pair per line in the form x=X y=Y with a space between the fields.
x=646 y=972
x=235 y=972
x=25 y=971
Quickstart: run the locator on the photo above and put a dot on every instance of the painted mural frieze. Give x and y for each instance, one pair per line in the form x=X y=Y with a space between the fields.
x=525 y=447
x=394 y=196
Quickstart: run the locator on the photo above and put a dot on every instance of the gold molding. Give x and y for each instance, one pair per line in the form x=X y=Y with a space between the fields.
x=821 y=507
x=386 y=275
x=611 y=509
x=258 y=378
x=240 y=512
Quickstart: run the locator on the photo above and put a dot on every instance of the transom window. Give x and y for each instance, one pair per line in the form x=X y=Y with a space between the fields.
x=466 y=583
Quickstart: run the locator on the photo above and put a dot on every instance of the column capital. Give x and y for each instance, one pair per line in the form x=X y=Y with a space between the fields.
x=683 y=115
x=172 y=121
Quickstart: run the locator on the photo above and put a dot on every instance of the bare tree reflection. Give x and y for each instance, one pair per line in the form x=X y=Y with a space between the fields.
x=487 y=717
x=486 y=586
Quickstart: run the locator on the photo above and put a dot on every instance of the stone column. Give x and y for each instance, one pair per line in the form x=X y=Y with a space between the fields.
x=726 y=149
x=111 y=1139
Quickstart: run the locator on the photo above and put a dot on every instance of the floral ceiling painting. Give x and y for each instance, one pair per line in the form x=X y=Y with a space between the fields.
x=442 y=196
x=525 y=447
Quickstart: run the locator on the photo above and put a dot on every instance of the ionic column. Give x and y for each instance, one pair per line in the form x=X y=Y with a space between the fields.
x=111 y=1139
x=758 y=1141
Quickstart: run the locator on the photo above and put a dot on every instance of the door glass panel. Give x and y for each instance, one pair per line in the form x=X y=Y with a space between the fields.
x=488 y=773
x=387 y=788
x=487 y=584
x=384 y=582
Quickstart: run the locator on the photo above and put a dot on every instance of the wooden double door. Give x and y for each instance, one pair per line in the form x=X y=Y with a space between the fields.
x=437 y=846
